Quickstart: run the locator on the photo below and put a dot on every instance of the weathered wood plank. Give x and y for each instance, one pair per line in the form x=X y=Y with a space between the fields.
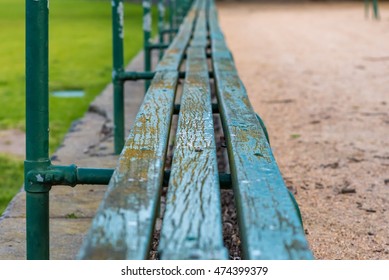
x=213 y=23
x=123 y=225
x=220 y=52
x=269 y=223
x=174 y=54
x=192 y=225
x=200 y=33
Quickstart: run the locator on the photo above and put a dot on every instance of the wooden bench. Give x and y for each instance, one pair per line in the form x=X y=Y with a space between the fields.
x=269 y=223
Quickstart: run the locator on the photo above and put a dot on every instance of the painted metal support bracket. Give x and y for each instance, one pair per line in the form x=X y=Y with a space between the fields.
x=168 y=31
x=156 y=46
x=69 y=175
x=134 y=76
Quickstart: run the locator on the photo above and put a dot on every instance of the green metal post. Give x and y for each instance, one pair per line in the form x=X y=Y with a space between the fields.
x=171 y=19
x=376 y=13
x=375 y=9
x=37 y=127
x=147 y=23
x=182 y=9
x=118 y=69
x=179 y=12
x=161 y=24
x=186 y=7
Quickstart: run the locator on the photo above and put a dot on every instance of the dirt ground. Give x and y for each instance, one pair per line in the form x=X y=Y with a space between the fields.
x=318 y=74
x=12 y=142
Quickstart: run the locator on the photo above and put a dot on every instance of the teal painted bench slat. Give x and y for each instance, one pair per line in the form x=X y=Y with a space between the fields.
x=124 y=223
x=192 y=224
x=174 y=54
x=270 y=226
x=269 y=222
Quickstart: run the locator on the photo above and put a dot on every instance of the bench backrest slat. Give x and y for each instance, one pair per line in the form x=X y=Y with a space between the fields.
x=269 y=223
x=192 y=224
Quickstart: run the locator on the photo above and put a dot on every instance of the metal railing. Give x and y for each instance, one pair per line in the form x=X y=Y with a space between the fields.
x=374 y=4
x=177 y=10
x=39 y=173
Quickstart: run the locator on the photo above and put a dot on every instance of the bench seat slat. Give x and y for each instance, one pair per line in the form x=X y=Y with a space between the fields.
x=173 y=55
x=200 y=33
x=192 y=225
x=123 y=225
x=269 y=223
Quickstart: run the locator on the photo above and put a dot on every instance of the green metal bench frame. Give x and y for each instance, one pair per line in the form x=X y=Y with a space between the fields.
x=375 y=8
x=269 y=219
x=40 y=175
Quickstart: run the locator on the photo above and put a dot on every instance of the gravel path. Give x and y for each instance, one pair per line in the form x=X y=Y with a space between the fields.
x=318 y=74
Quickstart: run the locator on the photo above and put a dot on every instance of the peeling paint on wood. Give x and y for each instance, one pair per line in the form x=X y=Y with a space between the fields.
x=123 y=226
x=269 y=223
x=192 y=225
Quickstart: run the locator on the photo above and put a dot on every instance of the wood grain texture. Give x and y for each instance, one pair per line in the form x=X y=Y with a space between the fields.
x=192 y=225
x=123 y=225
x=269 y=224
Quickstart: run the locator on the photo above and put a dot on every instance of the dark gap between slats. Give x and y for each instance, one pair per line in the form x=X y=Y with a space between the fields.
x=168 y=162
x=229 y=216
x=230 y=223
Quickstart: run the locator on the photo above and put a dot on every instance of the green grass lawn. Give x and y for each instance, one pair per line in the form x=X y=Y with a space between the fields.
x=80 y=58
